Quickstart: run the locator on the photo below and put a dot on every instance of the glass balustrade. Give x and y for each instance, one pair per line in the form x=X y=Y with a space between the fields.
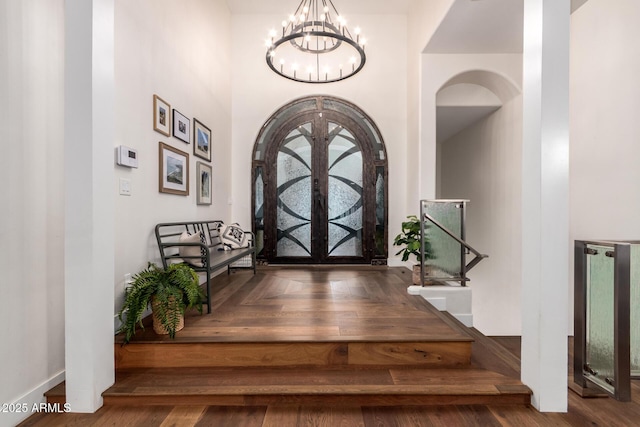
x=606 y=298
x=444 y=249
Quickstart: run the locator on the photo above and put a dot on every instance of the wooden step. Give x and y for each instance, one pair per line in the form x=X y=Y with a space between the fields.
x=316 y=386
x=57 y=394
x=324 y=387
x=224 y=354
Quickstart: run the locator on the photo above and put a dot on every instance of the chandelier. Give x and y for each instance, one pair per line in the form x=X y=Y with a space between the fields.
x=316 y=45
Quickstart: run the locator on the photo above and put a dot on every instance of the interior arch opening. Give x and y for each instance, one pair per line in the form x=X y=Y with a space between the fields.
x=479 y=158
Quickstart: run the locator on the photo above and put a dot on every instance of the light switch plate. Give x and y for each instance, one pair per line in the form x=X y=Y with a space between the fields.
x=125 y=187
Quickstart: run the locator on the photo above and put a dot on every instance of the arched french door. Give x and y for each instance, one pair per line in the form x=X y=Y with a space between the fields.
x=319 y=185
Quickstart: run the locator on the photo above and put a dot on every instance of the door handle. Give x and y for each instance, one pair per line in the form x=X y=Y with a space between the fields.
x=317 y=195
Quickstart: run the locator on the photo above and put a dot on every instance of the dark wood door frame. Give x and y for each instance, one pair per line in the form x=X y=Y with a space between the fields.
x=320 y=119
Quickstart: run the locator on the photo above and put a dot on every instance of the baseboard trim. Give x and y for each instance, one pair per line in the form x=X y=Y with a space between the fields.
x=31 y=398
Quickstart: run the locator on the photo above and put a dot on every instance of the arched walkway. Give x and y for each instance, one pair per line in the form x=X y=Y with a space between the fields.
x=481 y=161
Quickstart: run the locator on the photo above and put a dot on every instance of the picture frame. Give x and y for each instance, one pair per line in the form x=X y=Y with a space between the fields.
x=204 y=174
x=173 y=170
x=161 y=119
x=181 y=126
x=201 y=140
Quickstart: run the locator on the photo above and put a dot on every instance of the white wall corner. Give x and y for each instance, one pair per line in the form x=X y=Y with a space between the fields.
x=30 y=400
x=456 y=300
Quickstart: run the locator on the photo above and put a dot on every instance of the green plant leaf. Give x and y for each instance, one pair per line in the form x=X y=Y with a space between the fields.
x=175 y=289
x=410 y=239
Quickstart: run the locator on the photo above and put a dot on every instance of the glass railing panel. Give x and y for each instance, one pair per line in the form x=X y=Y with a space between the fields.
x=600 y=317
x=446 y=253
x=635 y=310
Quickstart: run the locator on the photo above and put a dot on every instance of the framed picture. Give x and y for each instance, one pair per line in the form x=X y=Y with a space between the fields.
x=161 y=119
x=181 y=126
x=174 y=171
x=201 y=140
x=203 y=193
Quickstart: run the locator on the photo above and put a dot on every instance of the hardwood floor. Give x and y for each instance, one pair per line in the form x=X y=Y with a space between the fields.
x=307 y=317
x=338 y=306
x=582 y=412
x=316 y=304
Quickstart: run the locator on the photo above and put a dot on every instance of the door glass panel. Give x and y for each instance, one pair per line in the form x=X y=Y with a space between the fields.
x=344 y=193
x=294 y=194
x=373 y=135
x=309 y=197
x=600 y=352
x=259 y=212
x=380 y=220
x=271 y=127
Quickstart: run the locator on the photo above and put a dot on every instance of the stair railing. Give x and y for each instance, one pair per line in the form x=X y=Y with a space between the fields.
x=442 y=230
x=606 y=304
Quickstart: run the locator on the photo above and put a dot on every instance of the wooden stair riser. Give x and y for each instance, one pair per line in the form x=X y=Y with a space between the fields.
x=202 y=355
x=327 y=387
x=326 y=400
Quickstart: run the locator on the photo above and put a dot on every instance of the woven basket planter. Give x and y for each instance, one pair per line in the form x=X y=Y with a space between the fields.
x=415 y=277
x=158 y=328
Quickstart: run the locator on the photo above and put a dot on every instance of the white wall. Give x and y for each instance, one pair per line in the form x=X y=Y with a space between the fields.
x=172 y=49
x=605 y=98
x=31 y=220
x=181 y=52
x=178 y=51
x=605 y=103
x=493 y=213
x=423 y=21
x=482 y=164
x=379 y=89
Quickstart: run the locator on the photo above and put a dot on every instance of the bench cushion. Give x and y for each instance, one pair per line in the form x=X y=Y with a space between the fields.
x=203 y=240
x=187 y=252
x=232 y=236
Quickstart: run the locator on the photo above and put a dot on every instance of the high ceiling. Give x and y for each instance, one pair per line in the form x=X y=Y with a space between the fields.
x=347 y=7
x=470 y=26
x=480 y=26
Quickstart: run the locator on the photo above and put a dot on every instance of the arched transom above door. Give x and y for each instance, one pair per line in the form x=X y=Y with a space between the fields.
x=320 y=185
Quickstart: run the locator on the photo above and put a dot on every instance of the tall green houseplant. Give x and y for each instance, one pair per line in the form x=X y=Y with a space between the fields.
x=169 y=292
x=409 y=238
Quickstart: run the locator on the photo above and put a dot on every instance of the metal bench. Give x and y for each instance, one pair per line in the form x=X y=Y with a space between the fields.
x=213 y=254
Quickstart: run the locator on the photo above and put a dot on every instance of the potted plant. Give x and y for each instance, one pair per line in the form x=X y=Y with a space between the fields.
x=169 y=292
x=410 y=239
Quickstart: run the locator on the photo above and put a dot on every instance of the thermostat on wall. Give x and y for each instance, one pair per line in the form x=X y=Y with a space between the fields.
x=127 y=157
